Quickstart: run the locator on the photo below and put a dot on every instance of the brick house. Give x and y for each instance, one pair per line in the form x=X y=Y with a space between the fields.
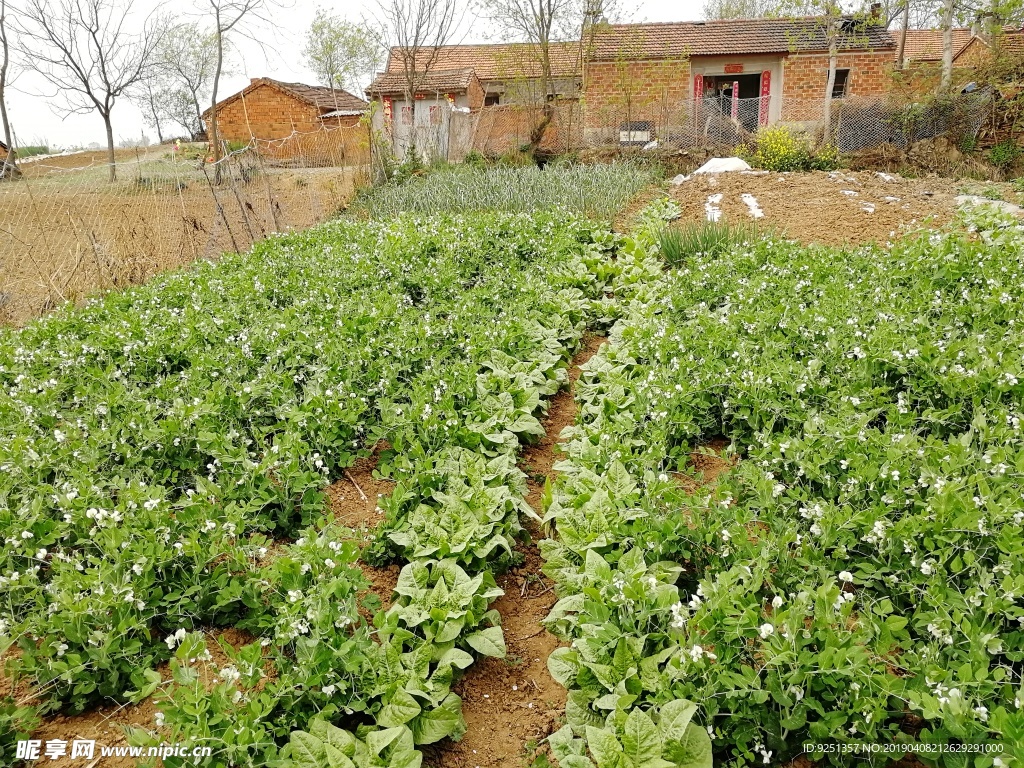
x=268 y=109
x=644 y=79
x=636 y=82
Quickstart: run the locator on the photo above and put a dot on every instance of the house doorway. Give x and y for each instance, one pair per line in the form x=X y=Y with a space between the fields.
x=746 y=110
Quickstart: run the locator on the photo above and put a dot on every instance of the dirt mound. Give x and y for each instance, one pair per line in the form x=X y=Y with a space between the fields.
x=818 y=207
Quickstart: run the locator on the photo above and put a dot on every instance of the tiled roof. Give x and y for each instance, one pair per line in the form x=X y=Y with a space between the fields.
x=926 y=44
x=323 y=97
x=434 y=81
x=1009 y=42
x=726 y=37
x=504 y=61
x=327 y=99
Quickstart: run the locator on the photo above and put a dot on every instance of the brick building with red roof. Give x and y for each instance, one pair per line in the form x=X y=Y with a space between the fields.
x=268 y=109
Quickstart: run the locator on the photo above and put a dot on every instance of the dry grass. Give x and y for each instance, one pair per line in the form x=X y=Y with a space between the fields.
x=66 y=232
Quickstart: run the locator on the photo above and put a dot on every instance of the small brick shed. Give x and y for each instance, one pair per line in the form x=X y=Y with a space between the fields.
x=269 y=109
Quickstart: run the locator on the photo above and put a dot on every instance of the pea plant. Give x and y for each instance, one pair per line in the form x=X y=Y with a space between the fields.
x=857 y=575
x=169 y=449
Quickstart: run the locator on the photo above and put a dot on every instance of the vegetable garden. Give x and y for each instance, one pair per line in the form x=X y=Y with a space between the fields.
x=854 y=578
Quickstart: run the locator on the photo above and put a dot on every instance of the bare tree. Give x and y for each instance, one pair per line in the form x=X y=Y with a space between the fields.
x=84 y=49
x=8 y=166
x=417 y=28
x=229 y=16
x=539 y=23
x=187 y=59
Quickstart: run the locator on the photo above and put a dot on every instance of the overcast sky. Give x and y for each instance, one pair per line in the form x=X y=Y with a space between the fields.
x=35 y=121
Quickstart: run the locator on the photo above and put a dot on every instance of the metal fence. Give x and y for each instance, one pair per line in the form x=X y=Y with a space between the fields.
x=67 y=231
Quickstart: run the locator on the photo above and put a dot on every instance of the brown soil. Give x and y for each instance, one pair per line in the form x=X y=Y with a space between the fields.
x=67 y=233
x=815 y=207
x=512 y=704
x=354 y=497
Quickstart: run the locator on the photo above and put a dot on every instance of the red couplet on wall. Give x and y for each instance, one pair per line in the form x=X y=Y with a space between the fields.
x=735 y=99
x=766 y=92
x=698 y=96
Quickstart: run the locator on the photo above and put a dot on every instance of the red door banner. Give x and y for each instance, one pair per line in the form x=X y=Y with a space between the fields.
x=698 y=97
x=388 y=110
x=735 y=99
x=766 y=94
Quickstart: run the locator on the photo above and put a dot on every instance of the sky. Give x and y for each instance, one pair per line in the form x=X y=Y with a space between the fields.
x=35 y=118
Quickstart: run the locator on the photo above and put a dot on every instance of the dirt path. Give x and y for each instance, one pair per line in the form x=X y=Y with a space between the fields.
x=512 y=704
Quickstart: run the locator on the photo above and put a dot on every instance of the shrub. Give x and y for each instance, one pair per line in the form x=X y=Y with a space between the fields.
x=825 y=159
x=1004 y=153
x=777 y=149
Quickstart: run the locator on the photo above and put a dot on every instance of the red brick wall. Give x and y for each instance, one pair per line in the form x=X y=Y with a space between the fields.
x=621 y=91
x=805 y=75
x=266 y=112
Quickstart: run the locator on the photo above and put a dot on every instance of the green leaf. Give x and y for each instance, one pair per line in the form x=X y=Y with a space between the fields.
x=604 y=747
x=641 y=741
x=488 y=642
x=675 y=716
x=445 y=720
x=400 y=710
x=307 y=751
x=691 y=751
x=563 y=665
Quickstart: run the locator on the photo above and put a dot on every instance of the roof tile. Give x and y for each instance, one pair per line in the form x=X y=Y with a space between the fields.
x=436 y=80
x=503 y=61
x=726 y=37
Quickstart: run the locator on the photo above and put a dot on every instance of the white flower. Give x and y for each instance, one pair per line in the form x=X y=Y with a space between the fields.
x=766 y=630
x=776 y=602
x=329 y=689
x=845 y=576
x=159 y=719
x=175 y=638
x=294 y=595
x=27 y=535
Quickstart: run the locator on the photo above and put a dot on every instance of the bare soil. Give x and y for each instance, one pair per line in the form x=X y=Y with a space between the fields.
x=512 y=704
x=354 y=498
x=837 y=208
x=67 y=233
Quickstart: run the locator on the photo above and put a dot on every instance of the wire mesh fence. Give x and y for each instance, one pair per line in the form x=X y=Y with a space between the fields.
x=715 y=122
x=67 y=231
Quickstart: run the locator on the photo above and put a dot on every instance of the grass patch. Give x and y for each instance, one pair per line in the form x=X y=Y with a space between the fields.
x=595 y=190
x=677 y=244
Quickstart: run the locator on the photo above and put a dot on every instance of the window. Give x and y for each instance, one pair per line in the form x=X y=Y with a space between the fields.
x=492 y=100
x=435 y=115
x=842 y=79
x=406 y=115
